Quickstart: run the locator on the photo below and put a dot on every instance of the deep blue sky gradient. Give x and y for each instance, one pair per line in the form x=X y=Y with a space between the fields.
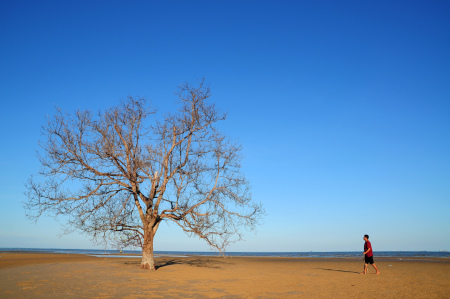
x=342 y=107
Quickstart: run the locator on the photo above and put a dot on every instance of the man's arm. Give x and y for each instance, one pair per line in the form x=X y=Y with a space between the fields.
x=367 y=251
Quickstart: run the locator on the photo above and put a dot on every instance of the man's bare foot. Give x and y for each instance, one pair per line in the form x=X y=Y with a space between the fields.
x=378 y=272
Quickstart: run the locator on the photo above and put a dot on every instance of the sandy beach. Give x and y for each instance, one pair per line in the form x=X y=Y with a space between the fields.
x=47 y=275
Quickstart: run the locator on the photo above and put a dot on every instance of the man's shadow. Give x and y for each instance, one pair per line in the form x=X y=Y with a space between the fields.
x=337 y=270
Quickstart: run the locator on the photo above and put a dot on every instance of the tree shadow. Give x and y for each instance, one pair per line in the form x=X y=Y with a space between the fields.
x=206 y=263
x=337 y=270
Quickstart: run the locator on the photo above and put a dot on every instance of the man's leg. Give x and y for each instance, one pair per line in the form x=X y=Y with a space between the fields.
x=375 y=266
x=365 y=269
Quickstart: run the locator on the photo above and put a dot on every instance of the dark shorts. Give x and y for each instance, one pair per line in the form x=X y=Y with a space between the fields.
x=368 y=260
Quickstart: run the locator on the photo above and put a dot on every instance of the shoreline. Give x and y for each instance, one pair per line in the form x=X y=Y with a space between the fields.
x=159 y=255
x=53 y=275
x=325 y=255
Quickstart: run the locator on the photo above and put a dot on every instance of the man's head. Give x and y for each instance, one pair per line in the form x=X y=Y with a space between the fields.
x=366 y=237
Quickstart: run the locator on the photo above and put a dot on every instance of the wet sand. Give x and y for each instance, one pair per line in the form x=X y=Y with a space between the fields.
x=46 y=275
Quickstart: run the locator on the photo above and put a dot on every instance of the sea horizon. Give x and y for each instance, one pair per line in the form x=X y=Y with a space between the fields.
x=310 y=254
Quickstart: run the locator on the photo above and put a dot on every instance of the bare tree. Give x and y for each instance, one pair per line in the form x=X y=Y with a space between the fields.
x=119 y=173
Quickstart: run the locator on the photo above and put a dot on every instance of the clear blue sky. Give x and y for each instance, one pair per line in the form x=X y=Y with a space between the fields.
x=342 y=107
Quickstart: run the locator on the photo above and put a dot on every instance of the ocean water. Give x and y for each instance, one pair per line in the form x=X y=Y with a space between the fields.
x=135 y=253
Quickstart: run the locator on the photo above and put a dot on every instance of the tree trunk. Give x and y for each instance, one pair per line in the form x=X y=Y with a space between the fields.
x=148 y=263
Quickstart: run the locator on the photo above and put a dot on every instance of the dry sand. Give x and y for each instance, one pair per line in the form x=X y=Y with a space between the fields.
x=31 y=275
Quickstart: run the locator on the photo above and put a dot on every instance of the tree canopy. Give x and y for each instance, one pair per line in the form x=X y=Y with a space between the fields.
x=117 y=174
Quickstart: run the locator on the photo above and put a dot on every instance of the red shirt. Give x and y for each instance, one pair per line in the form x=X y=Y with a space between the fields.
x=367 y=245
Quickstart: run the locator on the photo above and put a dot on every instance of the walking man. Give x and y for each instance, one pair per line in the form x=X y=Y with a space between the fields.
x=368 y=255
